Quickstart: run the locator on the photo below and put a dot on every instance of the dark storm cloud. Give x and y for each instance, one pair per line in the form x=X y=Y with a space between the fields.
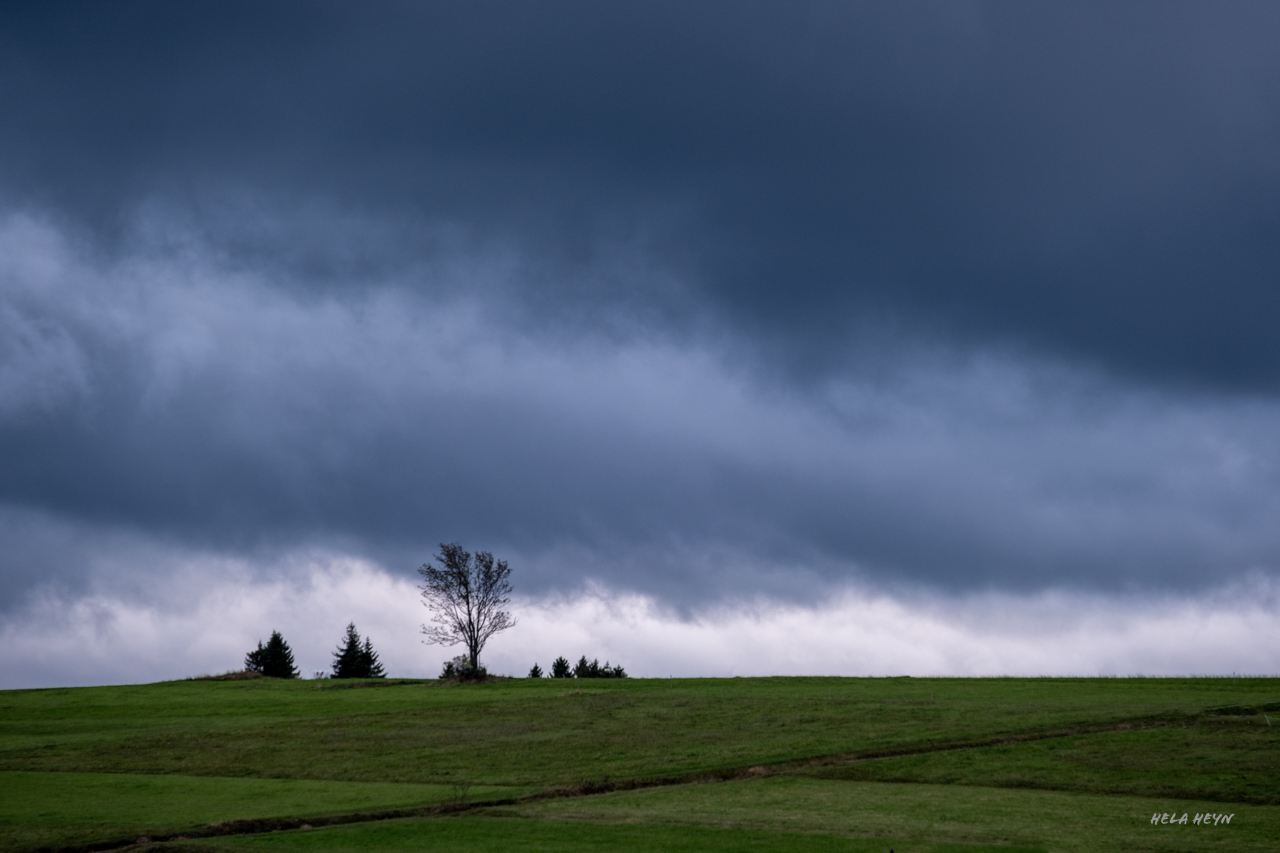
x=958 y=294
x=1097 y=180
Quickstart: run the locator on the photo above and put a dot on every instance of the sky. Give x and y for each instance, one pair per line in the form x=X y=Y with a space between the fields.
x=835 y=338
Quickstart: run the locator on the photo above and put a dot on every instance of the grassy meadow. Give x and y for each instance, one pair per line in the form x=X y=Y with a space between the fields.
x=663 y=764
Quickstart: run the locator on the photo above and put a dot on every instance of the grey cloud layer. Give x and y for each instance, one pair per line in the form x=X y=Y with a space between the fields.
x=215 y=408
x=689 y=298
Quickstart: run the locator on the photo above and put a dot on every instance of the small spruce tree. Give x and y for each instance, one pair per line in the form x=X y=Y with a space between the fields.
x=369 y=660
x=560 y=668
x=593 y=669
x=535 y=672
x=346 y=660
x=355 y=660
x=274 y=660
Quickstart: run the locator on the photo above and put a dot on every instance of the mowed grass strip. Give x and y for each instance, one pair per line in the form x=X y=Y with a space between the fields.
x=1227 y=759
x=796 y=814
x=490 y=835
x=60 y=809
x=899 y=813
x=556 y=733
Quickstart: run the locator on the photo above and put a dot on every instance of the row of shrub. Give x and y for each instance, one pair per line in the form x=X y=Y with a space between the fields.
x=582 y=669
x=353 y=658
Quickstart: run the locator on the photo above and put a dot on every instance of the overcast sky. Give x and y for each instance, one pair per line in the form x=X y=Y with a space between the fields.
x=706 y=312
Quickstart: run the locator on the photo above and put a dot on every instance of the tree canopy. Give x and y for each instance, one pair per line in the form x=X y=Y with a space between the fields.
x=583 y=669
x=352 y=659
x=466 y=594
x=274 y=660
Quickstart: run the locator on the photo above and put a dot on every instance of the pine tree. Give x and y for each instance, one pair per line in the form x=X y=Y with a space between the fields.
x=369 y=661
x=254 y=660
x=535 y=672
x=354 y=659
x=274 y=660
x=560 y=668
x=347 y=661
x=593 y=669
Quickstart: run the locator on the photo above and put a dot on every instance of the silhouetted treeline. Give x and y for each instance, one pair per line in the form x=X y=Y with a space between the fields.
x=582 y=669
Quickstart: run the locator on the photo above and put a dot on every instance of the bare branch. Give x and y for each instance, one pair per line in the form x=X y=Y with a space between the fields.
x=466 y=595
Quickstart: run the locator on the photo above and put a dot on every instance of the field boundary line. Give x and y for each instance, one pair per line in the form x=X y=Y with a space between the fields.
x=760 y=770
x=249 y=826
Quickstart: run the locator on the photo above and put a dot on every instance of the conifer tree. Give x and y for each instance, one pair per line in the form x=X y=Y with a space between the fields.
x=593 y=669
x=346 y=660
x=254 y=660
x=274 y=660
x=369 y=661
x=354 y=659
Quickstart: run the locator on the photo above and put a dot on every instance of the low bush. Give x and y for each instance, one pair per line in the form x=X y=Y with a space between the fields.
x=236 y=675
x=460 y=670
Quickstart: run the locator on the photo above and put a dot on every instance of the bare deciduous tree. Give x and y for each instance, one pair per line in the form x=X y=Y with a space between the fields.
x=466 y=594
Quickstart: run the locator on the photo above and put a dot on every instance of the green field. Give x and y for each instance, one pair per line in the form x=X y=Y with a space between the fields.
x=692 y=764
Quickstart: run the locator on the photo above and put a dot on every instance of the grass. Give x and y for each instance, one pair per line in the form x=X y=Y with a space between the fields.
x=80 y=808
x=558 y=733
x=379 y=745
x=797 y=814
x=1233 y=759
x=487 y=835
x=900 y=813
